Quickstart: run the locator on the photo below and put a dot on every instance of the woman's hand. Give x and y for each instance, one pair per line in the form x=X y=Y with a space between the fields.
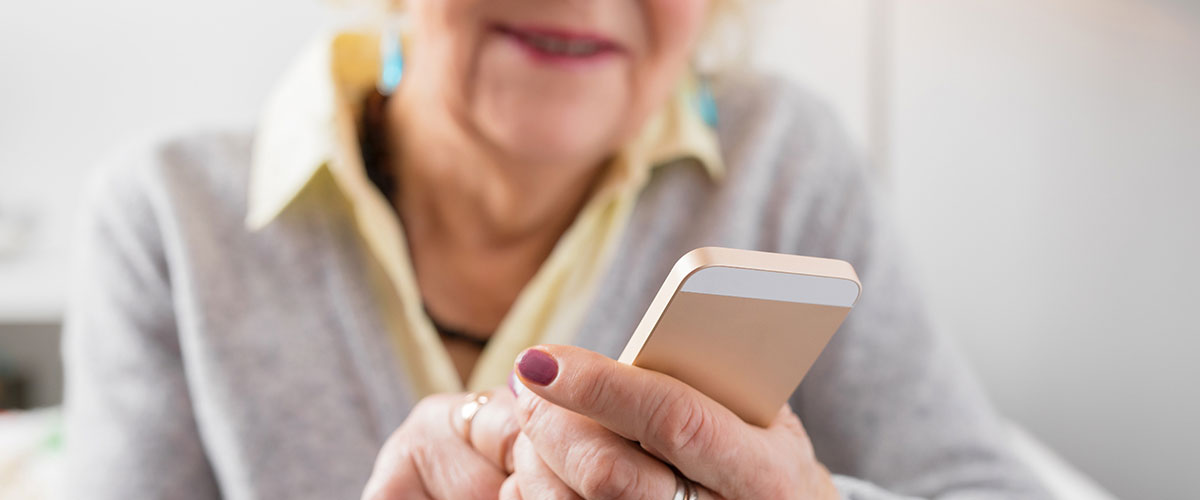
x=431 y=456
x=584 y=415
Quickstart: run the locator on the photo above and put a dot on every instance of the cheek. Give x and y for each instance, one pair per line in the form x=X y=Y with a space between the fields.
x=445 y=36
x=673 y=28
x=675 y=25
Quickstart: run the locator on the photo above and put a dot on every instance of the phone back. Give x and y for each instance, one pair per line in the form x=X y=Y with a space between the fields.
x=743 y=327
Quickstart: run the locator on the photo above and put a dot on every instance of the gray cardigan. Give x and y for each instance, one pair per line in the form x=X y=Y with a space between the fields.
x=206 y=361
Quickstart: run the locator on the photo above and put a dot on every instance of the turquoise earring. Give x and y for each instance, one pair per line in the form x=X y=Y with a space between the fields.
x=705 y=103
x=391 y=52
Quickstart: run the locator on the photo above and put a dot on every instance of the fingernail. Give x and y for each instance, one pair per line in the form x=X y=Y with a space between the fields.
x=537 y=366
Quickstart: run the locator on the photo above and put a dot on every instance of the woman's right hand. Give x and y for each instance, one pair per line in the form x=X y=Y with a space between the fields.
x=430 y=457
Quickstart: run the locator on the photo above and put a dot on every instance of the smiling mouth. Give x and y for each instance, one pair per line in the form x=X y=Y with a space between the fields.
x=559 y=44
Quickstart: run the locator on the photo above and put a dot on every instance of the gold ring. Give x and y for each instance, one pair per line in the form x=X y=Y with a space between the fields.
x=469 y=408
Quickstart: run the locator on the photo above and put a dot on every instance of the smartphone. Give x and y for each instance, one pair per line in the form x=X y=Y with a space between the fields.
x=743 y=327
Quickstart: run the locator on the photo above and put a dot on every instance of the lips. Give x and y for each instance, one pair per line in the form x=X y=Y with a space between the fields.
x=560 y=44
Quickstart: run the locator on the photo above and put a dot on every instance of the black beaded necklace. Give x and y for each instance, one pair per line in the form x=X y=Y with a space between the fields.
x=372 y=141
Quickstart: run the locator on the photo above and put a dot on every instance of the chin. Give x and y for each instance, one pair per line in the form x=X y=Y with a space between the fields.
x=549 y=113
x=548 y=134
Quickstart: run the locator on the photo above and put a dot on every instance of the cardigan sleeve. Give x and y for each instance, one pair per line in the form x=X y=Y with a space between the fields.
x=129 y=425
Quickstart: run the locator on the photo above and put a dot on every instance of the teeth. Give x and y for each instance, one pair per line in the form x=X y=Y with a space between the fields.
x=582 y=47
x=560 y=46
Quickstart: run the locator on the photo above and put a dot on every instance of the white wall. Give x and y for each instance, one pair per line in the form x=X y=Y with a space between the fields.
x=80 y=76
x=826 y=46
x=1045 y=161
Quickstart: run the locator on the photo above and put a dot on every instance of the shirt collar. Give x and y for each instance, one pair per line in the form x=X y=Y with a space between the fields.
x=310 y=121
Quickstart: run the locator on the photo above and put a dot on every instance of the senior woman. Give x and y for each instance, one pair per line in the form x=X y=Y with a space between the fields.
x=298 y=312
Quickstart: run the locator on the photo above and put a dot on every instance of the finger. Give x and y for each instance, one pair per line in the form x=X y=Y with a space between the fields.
x=669 y=418
x=492 y=429
x=535 y=480
x=395 y=474
x=448 y=467
x=787 y=425
x=509 y=490
x=394 y=477
x=589 y=458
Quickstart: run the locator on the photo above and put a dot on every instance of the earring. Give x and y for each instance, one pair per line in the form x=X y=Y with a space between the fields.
x=705 y=103
x=391 y=52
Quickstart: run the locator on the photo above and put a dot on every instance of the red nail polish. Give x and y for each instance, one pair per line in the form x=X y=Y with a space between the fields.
x=537 y=366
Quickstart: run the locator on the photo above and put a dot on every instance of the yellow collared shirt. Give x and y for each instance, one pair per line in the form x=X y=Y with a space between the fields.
x=309 y=125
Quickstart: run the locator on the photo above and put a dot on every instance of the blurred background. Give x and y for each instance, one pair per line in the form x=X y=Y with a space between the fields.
x=1041 y=157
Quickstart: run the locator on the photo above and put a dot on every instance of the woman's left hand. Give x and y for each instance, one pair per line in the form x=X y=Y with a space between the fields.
x=585 y=415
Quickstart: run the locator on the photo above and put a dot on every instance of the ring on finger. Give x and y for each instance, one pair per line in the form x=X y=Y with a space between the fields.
x=468 y=409
x=685 y=489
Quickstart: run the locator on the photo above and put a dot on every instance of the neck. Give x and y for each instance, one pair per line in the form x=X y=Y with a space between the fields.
x=457 y=188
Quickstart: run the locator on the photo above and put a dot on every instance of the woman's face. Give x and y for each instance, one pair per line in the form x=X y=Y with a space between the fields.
x=551 y=81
